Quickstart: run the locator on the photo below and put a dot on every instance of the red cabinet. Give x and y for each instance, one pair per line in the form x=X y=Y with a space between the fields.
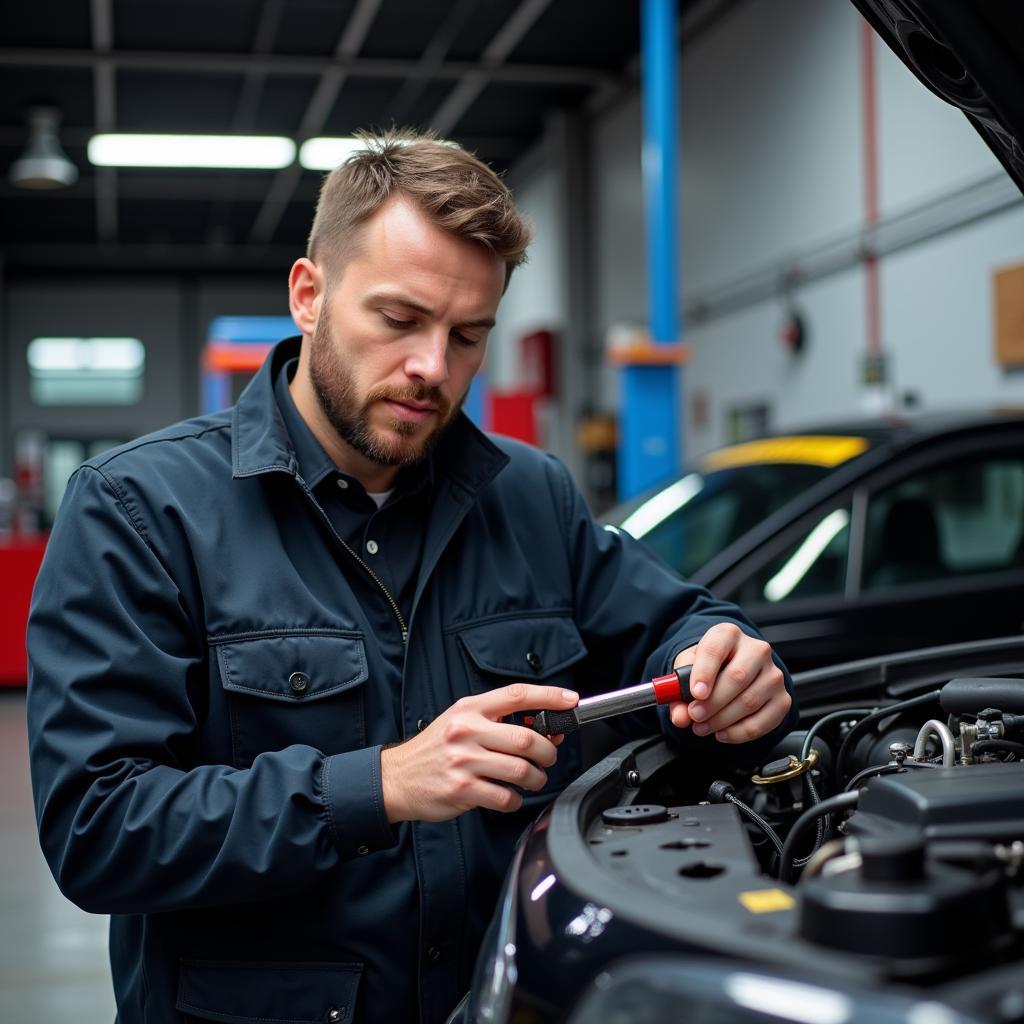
x=19 y=563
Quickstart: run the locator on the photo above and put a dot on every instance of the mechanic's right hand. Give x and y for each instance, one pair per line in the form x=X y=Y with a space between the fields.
x=462 y=758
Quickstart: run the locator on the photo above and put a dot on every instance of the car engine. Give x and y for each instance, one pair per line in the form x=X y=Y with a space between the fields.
x=871 y=871
x=904 y=838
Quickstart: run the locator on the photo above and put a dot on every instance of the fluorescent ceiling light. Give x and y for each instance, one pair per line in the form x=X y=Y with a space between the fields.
x=261 y=152
x=324 y=154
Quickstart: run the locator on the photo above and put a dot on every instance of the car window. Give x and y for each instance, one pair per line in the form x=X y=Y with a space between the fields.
x=955 y=520
x=711 y=511
x=813 y=566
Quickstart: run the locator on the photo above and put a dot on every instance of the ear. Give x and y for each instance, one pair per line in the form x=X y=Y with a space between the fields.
x=305 y=294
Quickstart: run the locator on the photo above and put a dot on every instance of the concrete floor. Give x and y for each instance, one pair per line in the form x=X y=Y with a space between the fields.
x=53 y=956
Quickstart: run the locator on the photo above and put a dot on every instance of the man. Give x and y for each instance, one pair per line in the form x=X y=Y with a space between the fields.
x=278 y=653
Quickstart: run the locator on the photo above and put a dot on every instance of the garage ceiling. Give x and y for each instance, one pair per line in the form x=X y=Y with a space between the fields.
x=484 y=72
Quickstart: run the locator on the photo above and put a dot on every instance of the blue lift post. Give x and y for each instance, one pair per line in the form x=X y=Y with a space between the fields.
x=650 y=426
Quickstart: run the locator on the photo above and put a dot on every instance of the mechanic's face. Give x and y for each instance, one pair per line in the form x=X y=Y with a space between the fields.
x=400 y=334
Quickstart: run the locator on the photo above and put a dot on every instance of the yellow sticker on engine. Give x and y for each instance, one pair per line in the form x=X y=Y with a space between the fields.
x=766 y=901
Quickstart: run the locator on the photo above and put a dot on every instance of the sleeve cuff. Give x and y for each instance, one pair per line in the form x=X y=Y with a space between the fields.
x=354 y=801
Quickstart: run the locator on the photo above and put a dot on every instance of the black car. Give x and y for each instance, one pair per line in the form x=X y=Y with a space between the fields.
x=855 y=539
x=872 y=871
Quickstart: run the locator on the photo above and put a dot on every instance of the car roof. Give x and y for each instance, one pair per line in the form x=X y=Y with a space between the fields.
x=911 y=425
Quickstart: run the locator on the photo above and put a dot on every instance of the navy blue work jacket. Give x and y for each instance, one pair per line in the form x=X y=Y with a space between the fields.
x=206 y=729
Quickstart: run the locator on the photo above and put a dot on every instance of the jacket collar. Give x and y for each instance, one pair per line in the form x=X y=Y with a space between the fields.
x=260 y=441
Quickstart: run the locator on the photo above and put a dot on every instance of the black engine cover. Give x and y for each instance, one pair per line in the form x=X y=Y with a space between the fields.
x=980 y=801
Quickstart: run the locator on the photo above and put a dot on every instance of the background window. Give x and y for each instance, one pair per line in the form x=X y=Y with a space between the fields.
x=86 y=371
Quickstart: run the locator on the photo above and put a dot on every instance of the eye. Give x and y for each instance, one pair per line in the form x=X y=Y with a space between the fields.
x=398 y=325
x=465 y=341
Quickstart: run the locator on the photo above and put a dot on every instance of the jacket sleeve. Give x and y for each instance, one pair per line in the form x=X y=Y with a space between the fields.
x=130 y=820
x=636 y=614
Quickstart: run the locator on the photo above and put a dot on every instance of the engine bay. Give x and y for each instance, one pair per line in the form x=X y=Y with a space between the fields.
x=881 y=847
x=872 y=863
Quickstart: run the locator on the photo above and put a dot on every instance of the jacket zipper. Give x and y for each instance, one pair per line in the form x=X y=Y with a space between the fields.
x=337 y=536
x=380 y=583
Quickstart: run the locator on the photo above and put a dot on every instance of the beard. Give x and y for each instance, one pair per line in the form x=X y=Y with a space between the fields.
x=403 y=443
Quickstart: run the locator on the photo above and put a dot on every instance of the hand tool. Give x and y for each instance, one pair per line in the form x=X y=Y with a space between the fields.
x=660 y=690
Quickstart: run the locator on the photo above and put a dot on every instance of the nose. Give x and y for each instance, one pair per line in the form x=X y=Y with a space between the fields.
x=428 y=360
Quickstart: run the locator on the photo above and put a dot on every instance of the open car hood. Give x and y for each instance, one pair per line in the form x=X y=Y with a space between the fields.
x=969 y=52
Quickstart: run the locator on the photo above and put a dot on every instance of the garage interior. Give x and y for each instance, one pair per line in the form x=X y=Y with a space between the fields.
x=845 y=248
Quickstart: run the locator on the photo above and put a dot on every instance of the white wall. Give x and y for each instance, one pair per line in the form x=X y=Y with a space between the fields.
x=772 y=165
x=537 y=294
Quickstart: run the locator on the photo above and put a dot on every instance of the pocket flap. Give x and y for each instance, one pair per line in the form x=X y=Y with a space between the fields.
x=247 y=992
x=531 y=648
x=294 y=667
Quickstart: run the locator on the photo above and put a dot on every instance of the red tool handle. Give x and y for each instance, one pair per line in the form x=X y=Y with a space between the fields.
x=673 y=687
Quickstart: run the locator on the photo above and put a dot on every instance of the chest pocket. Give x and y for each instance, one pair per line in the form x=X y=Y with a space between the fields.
x=531 y=650
x=296 y=687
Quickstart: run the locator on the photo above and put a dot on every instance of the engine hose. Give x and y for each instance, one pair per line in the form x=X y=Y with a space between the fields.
x=933 y=727
x=813 y=798
x=995 y=746
x=840 y=802
x=886 y=712
x=756 y=818
x=821 y=722
x=867 y=773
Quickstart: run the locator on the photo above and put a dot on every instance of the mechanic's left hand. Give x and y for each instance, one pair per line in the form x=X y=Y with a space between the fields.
x=739 y=692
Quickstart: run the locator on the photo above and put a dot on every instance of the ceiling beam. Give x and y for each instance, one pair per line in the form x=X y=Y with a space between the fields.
x=274 y=64
x=469 y=87
x=145 y=257
x=317 y=112
x=431 y=58
x=246 y=110
x=105 y=113
x=153 y=186
x=255 y=79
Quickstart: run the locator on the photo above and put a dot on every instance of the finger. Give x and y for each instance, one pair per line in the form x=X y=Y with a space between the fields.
x=496 y=797
x=751 y=658
x=758 y=724
x=747 y=702
x=679 y=714
x=505 y=700
x=518 y=741
x=516 y=771
x=715 y=648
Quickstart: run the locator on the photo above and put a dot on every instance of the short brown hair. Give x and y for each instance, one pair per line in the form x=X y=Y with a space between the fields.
x=459 y=193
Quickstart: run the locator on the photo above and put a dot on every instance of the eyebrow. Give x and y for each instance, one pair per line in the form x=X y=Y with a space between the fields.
x=401 y=300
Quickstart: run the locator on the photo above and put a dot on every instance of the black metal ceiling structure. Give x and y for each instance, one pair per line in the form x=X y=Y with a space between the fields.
x=483 y=72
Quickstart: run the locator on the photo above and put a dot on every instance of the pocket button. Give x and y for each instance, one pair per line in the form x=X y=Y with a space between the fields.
x=299 y=682
x=534 y=661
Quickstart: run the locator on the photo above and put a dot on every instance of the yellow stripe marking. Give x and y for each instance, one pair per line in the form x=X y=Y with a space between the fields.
x=813 y=450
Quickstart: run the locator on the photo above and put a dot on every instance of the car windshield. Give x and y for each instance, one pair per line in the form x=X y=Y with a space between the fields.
x=693 y=519
x=731 y=490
